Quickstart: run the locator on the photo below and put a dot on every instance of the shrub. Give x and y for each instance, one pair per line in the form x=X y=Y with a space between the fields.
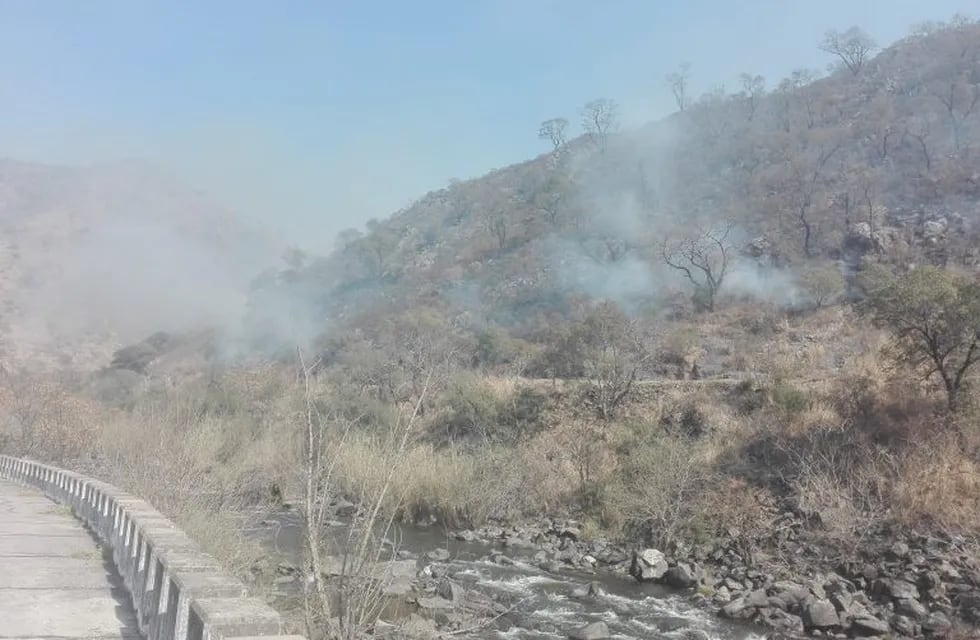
x=788 y=398
x=823 y=284
x=477 y=412
x=657 y=492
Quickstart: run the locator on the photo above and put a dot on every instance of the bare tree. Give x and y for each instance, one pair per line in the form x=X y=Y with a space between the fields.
x=554 y=131
x=753 y=88
x=919 y=130
x=704 y=259
x=678 y=81
x=960 y=99
x=348 y=606
x=853 y=47
x=599 y=118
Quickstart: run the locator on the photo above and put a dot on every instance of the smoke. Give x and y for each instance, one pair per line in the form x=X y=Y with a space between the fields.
x=629 y=200
x=134 y=278
x=766 y=284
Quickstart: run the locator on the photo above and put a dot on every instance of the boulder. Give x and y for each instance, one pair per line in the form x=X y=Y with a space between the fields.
x=681 y=576
x=783 y=621
x=869 y=625
x=451 y=591
x=466 y=536
x=820 y=615
x=899 y=550
x=936 y=624
x=344 y=508
x=911 y=608
x=594 y=631
x=648 y=565
x=397 y=587
x=934 y=228
x=591 y=590
x=904 y=626
x=897 y=589
x=438 y=555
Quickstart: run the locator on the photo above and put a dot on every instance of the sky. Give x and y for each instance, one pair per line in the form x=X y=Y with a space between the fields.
x=313 y=117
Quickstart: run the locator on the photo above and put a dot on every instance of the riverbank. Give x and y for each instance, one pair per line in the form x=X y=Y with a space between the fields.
x=547 y=580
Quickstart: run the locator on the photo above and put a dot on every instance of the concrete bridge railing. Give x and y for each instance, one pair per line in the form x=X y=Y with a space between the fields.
x=178 y=591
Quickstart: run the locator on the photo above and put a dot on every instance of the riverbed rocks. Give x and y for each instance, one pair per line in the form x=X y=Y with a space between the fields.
x=587 y=591
x=649 y=565
x=593 y=631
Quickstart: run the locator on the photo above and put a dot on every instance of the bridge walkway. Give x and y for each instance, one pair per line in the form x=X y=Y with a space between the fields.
x=56 y=581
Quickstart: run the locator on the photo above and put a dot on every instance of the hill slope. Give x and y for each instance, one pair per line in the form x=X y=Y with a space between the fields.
x=90 y=257
x=879 y=165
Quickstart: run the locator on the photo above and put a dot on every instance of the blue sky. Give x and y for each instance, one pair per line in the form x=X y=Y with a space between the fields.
x=314 y=116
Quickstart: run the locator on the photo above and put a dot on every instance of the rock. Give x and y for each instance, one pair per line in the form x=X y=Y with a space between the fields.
x=934 y=228
x=594 y=631
x=911 y=608
x=573 y=533
x=382 y=629
x=681 y=576
x=519 y=542
x=842 y=602
x=591 y=590
x=897 y=589
x=869 y=626
x=936 y=623
x=398 y=587
x=344 y=509
x=418 y=628
x=820 y=615
x=435 y=603
x=696 y=634
x=438 y=555
x=451 y=591
x=899 y=550
x=741 y=608
x=466 y=536
x=904 y=626
x=648 y=565
x=783 y=621
x=757 y=599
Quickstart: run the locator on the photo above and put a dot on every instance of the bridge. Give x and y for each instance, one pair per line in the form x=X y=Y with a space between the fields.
x=81 y=559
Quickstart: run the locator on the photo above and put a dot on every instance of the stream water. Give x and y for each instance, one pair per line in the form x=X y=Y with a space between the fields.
x=544 y=607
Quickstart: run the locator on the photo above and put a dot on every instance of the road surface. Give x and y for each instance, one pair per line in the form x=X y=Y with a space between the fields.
x=55 y=581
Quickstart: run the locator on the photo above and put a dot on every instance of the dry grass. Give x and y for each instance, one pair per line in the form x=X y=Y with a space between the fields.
x=823 y=415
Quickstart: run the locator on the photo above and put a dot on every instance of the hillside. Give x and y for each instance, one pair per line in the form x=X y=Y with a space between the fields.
x=733 y=353
x=880 y=165
x=95 y=257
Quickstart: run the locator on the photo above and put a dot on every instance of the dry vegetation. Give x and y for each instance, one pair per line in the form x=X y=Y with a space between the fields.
x=822 y=418
x=469 y=378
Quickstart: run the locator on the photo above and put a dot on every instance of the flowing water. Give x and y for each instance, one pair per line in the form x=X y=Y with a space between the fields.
x=544 y=607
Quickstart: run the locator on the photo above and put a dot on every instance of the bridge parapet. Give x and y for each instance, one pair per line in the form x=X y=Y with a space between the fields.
x=178 y=591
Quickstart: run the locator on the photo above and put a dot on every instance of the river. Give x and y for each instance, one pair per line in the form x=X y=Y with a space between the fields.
x=543 y=605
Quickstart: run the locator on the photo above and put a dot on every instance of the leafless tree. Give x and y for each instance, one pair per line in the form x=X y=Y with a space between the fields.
x=753 y=88
x=919 y=130
x=599 y=118
x=703 y=258
x=678 y=82
x=347 y=606
x=853 y=47
x=554 y=131
x=960 y=100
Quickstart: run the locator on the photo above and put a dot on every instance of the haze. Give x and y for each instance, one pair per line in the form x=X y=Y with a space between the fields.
x=314 y=117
